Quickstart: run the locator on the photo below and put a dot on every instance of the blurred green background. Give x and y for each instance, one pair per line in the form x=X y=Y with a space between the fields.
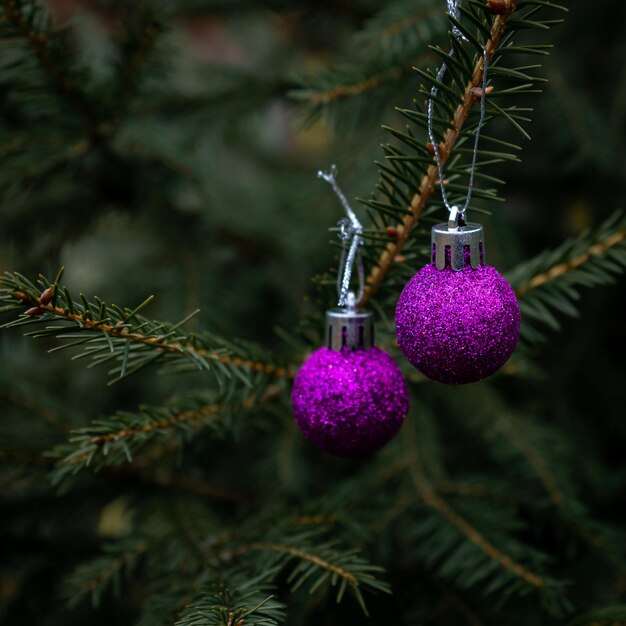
x=207 y=196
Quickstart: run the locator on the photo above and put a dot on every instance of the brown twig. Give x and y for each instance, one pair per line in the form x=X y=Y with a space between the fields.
x=296 y=552
x=429 y=180
x=356 y=89
x=194 y=417
x=519 y=440
x=563 y=268
x=367 y=85
x=437 y=503
x=155 y=342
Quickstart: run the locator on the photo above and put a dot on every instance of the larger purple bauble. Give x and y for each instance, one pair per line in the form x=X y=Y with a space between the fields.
x=350 y=402
x=460 y=326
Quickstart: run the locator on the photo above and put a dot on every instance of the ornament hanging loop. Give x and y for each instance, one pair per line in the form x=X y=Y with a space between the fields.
x=351 y=235
x=453 y=10
x=456 y=218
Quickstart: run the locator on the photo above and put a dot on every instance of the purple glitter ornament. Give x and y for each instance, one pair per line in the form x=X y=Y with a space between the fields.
x=457 y=326
x=350 y=402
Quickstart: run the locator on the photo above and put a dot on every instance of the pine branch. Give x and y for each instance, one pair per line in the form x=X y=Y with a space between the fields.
x=551 y=281
x=168 y=600
x=536 y=455
x=380 y=54
x=300 y=554
x=561 y=269
x=400 y=25
x=161 y=544
x=93 y=579
x=516 y=436
x=119 y=438
x=544 y=452
x=438 y=504
x=108 y=333
x=23 y=16
x=341 y=568
x=236 y=601
x=322 y=96
x=429 y=180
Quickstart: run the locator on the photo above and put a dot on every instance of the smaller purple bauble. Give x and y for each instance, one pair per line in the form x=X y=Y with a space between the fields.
x=350 y=402
x=460 y=326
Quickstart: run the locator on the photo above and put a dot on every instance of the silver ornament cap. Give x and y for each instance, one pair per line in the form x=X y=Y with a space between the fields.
x=456 y=241
x=349 y=327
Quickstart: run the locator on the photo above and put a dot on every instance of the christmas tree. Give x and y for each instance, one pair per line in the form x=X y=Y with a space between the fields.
x=164 y=154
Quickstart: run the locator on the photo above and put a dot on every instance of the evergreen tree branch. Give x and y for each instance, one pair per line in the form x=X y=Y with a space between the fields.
x=429 y=180
x=235 y=601
x=536 y=461
x=340 y=92
x=299 y=554
x=94 y=578
x=112 y=441
x=319 y=96
x=119 y=438
x=428 y=494
x=38 y=42
x=341 y=568
x=550 y=282
x=544 y=452
x=108 y=333
x=168 y=600
x=154 y=548
x=561 y=269
x=404 y=22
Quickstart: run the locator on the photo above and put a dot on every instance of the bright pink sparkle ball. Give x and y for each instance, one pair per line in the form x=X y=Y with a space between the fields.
x=457 y=327
x=350 y=402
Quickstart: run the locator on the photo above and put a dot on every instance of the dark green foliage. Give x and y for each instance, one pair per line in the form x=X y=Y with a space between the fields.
x=121 y=336
x=152 y=148
x=217 y=605
x=550 y=283
x=118 y=438
x=608 y=615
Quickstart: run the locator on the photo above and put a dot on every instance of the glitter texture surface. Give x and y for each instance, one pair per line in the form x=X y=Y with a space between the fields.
x=350 y=403
x=457 y=327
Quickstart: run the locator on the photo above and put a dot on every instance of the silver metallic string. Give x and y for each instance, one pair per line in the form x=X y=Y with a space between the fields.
x=351 y=235
x=453 y=9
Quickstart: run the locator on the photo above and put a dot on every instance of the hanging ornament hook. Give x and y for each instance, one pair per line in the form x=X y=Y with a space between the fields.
x=453 y=10
x=351 y=235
